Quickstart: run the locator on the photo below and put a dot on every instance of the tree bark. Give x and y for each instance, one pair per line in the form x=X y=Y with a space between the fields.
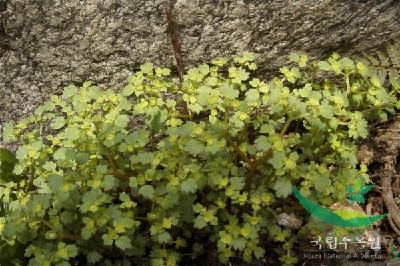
x=45 y=45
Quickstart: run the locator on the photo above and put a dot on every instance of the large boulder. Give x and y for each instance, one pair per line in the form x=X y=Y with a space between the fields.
x=47 y=44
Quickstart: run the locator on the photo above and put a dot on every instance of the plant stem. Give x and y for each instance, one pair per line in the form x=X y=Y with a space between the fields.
x=61 y=236
x=31 y=178
x=237 y=149
x=346 y=76
x=115 y=170
x=285 y=126
x=376 y=107
x=255 y=163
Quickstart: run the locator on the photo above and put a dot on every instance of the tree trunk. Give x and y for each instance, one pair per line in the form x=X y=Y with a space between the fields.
x=45 y=45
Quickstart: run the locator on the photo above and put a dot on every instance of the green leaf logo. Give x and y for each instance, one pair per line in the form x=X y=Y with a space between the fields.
x=329 y=217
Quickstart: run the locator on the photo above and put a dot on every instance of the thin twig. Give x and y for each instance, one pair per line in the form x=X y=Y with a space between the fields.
x=61 y=235
x=114 y=169
x=174 y=38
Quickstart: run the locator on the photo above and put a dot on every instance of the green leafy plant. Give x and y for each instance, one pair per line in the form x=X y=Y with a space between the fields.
x=385 y=62
x=168 y=172
x=7 y=163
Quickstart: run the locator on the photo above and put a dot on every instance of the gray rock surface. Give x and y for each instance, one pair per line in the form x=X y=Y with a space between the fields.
x=47 y=44
x=289 y=220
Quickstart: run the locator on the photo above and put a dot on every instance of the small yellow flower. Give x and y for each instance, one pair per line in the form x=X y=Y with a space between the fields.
x=226 y=238
x=197 y=130
x=220 y=203
x=245 y=231
x=243 y=198
x=163 y=253
x=32 y=153
x=242 y=116
x=290 y=164
x=167 y=223
x=174 y=181
x=265 y=198
x=156 y=161
x=66 y=187
x=56 y=141
x=223 y=183
x=96 y=183
x=208 y=216
x=119 y=228
x=180 y=242
x=2 y=224
x=173 y=122
x=89 y=224
x=37 y=207
x=93 y=208
x=62 y=253
x=192 y=99
x=255 y=220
